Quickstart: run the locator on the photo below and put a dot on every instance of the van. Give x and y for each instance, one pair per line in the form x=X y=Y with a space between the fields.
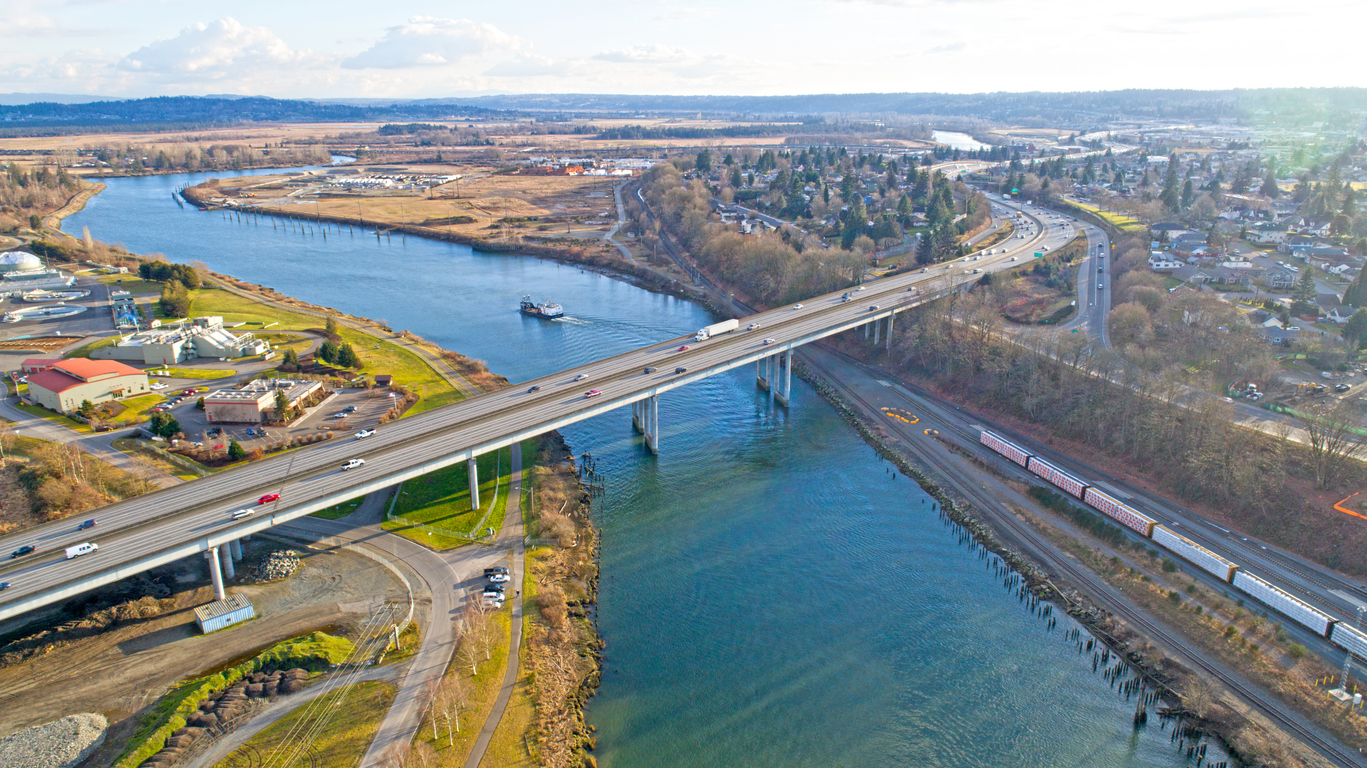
x=81 y=549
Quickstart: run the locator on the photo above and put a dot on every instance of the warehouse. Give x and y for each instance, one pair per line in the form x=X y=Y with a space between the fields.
x=68 y=383
x=183 y=340
x=234 y=609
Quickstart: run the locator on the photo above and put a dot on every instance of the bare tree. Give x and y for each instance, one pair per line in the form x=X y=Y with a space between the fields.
x=1333 y=441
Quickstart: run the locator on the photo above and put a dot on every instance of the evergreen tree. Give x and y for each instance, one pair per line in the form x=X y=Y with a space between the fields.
x=1188 y=193
x=1170 y=195
x=1270 y=188
x=1355 y=330
x=328 y=352
x=290 y=361
x=282 y=406
x=235 y=450
x=1303 y=298
x=1356 y=295
x=346 y=357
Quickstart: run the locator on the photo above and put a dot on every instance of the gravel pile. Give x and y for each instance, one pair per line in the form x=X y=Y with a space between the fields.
x=280 y=564
x=58 y=744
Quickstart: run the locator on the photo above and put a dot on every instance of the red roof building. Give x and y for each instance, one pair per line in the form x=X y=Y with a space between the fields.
x=68 y=383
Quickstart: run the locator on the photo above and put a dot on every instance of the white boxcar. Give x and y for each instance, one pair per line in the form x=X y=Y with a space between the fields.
x=1297 y=610
x=1057 y=476
x=1350 y=639
x=1120 y=512
x=1195 y=553
x=1007 y=449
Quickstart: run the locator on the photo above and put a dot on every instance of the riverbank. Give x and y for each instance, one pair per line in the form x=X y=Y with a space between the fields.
x=53 y=221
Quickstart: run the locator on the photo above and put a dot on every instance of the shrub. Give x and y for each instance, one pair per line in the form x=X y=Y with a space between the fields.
x=1168 y=565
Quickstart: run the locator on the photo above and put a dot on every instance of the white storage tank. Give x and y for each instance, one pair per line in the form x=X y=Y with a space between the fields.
x=214 y=616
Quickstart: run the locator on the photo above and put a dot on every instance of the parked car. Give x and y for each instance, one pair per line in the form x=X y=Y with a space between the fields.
x=495 y=569
x=498 y=578
x=349 y=409
x=87 y=524
x=593 y=393
x=268 y=498
x=494 y=587
x=27 y=549
x=365 y=433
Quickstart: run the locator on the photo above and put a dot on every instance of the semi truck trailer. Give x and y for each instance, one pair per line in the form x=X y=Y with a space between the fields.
x=716 y=329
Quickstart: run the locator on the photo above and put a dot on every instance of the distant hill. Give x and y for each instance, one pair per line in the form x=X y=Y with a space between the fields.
x=219 y=110
x=55 y=98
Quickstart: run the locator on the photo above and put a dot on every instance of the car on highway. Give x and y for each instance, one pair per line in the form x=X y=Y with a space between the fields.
x=581 y=377
x=1013 y=258
x=4 y=585
x=651 y=369
x=797 y=306
x=681 y=369
x=769 y=341
x=365 y=433
x=1101 y=286
x=752 y=326
x=874 y=307
x=27 y=549
x=353 y=464
x=857 y=288
x=682 y=348
x=87 y=524
x=534 y=388
x=241 y=513
x=268 y=498
x=593 y=393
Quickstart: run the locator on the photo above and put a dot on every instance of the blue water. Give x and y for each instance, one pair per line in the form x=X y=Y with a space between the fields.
x=770 y=596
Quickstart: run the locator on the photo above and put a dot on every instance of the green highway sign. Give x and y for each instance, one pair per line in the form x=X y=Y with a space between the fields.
x=1039 y=255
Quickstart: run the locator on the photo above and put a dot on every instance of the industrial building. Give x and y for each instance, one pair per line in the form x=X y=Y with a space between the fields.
x=185 y=340
x=65 y=385
x=250 y=404
x=233 y=609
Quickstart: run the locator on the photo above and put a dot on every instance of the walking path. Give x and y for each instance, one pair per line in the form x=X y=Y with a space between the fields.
x=512 y=533
x=621 y=221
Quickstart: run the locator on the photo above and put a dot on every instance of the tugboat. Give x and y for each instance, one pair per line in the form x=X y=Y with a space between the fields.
x=546 y=311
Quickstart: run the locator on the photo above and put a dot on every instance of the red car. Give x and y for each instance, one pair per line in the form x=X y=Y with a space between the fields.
x=268 y=498
x=684 y=348
x=593 y=393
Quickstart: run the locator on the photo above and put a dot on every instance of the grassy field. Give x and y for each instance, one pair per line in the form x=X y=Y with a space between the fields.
x=134 y=285
x=135 y=409
x=349 y=718
x=509 y=747
x=84 y=351
x=340 y=510
x=378 y=356
x=139 y=449
x=483 y=689
x=441 y=499
x=1118 y=220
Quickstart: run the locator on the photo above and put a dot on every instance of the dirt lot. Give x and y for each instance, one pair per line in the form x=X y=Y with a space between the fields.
x=130 y=666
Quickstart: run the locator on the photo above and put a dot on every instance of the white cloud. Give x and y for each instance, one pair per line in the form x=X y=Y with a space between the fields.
x=954 y=47
x=428 y=41
x=646 y=54
x=221 y=50
x=530 y=65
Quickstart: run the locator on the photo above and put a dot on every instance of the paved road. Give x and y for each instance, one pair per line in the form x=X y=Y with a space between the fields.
x=161 y=527
x=621 y=221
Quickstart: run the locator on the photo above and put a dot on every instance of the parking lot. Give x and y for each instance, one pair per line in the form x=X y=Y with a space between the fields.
x=330 y=415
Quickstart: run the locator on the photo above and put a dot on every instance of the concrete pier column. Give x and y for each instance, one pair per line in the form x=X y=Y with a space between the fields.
x=229 y=572
x=235 y=550
x=762 y=373
x=636 y=416
x=877 y=326
x=653 y=424
x=215 y=573
x=474 y=483
x=785 y=384
x=866 y=330
x=890 y=317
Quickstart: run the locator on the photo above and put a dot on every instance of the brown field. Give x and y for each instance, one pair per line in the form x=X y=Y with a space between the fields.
x=291 y=132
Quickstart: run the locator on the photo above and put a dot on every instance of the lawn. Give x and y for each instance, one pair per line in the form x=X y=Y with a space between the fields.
x=378 y=356
x=508 y=747
x=134 y=285
x=85 y=351
x=340 y=510
x=197 y=373
x=441 y=500
x=1119 y=221
x=339 y=727
x=142 y=451
x=56 y=418
x=135 y=409
x=452 y=747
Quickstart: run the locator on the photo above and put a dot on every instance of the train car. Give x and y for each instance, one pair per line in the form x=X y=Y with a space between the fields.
x=1058 y=477
x=1120 y=512
x=1195 y=553
x=1284 y=603
x=1350 y=639
x=1005 y=448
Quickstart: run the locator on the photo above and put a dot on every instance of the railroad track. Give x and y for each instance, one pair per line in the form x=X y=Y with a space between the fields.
x=1043 y=551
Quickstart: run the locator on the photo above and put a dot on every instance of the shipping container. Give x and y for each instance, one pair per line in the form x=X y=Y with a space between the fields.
x=1005 y=448
x=1297 y=610
x=1350 y=639
x=1195 y=553
x=1057 y=476
x=1120 y=512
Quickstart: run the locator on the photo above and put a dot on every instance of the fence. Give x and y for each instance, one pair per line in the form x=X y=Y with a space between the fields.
x=474 y=534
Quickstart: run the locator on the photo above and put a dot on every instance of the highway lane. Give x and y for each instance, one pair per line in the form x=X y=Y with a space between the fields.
x=199 y=514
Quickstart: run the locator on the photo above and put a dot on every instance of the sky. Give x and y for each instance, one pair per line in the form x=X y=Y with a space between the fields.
x=421 y=49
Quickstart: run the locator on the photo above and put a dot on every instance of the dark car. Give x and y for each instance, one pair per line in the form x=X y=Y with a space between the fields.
x=681 y=369
x=27 y=549
x=85 y=525
x=650 y=369
x=349 y=409
x=534 y=388
x=4 y=585
x=495 y=569
x=493 y=587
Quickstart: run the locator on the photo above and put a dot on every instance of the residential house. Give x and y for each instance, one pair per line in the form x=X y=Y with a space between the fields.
x=1162 y=262
x=1341 y=313
x=1267 y=232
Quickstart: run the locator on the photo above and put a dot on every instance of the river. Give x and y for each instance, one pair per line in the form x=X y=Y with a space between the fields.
x=957 y=140
x=770 y=595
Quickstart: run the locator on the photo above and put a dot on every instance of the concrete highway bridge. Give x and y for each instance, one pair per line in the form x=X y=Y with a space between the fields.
x=197 y=518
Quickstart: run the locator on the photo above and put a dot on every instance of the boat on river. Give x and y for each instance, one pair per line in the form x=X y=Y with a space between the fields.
x=546 y=311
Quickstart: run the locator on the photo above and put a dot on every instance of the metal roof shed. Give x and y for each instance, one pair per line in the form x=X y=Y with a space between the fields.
x=222 y=613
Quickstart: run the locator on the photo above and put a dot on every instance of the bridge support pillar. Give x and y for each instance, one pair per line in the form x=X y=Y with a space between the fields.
x=474 y=483
x=877 y=326
x=229 y=571
x=866 y=330
x=762 y=373
x=235 y=549
x=785 y=384
x=215 y=573
x=637 y=423
x=652 y=408
x=890 y=317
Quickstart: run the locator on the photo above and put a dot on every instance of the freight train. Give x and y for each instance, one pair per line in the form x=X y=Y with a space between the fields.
x=1344 y=636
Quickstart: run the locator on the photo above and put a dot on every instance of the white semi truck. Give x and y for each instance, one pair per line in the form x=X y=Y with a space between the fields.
x=716 y=329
